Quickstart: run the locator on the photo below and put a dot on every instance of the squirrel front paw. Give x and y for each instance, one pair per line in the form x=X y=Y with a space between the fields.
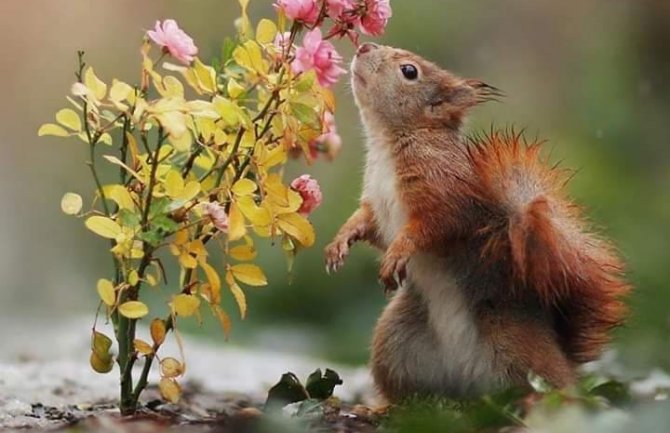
x=393 y=264
x=335 y=254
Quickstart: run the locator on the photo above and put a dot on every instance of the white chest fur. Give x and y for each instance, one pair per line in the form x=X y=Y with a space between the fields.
x=380 y=190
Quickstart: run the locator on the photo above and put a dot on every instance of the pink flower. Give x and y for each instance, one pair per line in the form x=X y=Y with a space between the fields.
x=310 y=192
x=330 y=141
x=342 y=10
x=306 y=11
x=376 y=17
x=281 y=44
x=217 y=214
x=319 y=55
x=174 y=40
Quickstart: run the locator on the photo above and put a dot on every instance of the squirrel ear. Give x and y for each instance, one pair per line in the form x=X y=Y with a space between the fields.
x=450 y=102
x=484 y=92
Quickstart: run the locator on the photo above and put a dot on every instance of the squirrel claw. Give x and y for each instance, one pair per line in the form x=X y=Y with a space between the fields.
x=392 y=266
x=335 y=254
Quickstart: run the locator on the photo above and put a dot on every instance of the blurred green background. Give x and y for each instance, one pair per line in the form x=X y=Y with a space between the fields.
x=591 y=76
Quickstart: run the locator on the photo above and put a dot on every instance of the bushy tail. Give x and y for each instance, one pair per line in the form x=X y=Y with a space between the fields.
x=547 y=243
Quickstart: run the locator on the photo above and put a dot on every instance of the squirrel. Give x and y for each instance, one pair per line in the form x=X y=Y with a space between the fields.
x=500 y=275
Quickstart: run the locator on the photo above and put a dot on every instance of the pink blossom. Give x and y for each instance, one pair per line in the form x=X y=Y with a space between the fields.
x=281 y=44
x=376 y=16
x=306 y=11
x=330 y=141
x=174 y=40
x=310 y=191
x=319 y=55
x=217 y=214
x=342 y=10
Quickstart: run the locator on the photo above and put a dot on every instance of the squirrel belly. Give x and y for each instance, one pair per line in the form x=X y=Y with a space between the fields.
x=427 y=339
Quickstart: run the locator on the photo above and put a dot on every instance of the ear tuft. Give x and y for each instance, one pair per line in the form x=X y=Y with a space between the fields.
x=484 y=92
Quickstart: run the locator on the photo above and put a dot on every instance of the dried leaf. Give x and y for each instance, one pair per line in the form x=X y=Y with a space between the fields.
x=249 y=274
x=158 y=331
x=170 y=390
x=170 y=367
x=143 y=347
x=185 y=305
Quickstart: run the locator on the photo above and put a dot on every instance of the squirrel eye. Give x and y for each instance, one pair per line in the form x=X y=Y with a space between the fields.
x=409 y=71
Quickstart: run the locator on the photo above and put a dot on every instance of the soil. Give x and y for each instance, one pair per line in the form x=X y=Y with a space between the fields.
x=47 y=385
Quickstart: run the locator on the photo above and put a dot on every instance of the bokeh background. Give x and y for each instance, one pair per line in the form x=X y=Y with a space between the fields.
x=590 y=76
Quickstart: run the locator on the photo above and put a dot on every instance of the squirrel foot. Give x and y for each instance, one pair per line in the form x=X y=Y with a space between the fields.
x=393 y=264
x=335 y=254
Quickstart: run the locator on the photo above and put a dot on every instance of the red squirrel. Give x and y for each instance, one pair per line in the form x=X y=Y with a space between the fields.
x=500 y=274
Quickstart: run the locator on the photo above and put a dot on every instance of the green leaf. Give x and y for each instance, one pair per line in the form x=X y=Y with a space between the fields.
x=288 y=390
x=305 y=114
x=321 y=386
x=69 y=118
x=52 y=129
x=128 y=218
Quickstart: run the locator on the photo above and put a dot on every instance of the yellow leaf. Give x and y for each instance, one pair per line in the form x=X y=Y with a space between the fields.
x=206 y=76
x=106 y=292
x=103 y=226
x=234 y=88
x=236 y=227
x=120 y=195
x=114 y=160
x=243 y=252
x=249 y=274
x=170 y=390
x=182 y=143
x=69 y=119
x=105 y=138
x=158 y=331
x=266 y=31
x=172 y=87
x=185 y=305
x=174 y=122
x=143 y=347
x=239 y=296
x=174 y=183
x=101 y=343
x=230 y=112
x=214 y=282
x=191 y=189
x=244 y=187
x=298 y=227
x=248 y=55
x=101 y=364
x=170 y=367
x=257 y=215
x=133 y=309
x=133 y=277
x=52 y=129
x=71 y=203
x=120 y=91
x=94 y=84
x=224 y=320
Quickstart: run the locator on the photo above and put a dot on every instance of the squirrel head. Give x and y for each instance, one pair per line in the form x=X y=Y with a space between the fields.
x=395 y=88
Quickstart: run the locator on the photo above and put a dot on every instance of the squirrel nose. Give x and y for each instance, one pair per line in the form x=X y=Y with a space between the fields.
x=366 y=47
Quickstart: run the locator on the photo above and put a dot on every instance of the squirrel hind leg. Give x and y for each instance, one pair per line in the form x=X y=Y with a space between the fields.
x=524 y=344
